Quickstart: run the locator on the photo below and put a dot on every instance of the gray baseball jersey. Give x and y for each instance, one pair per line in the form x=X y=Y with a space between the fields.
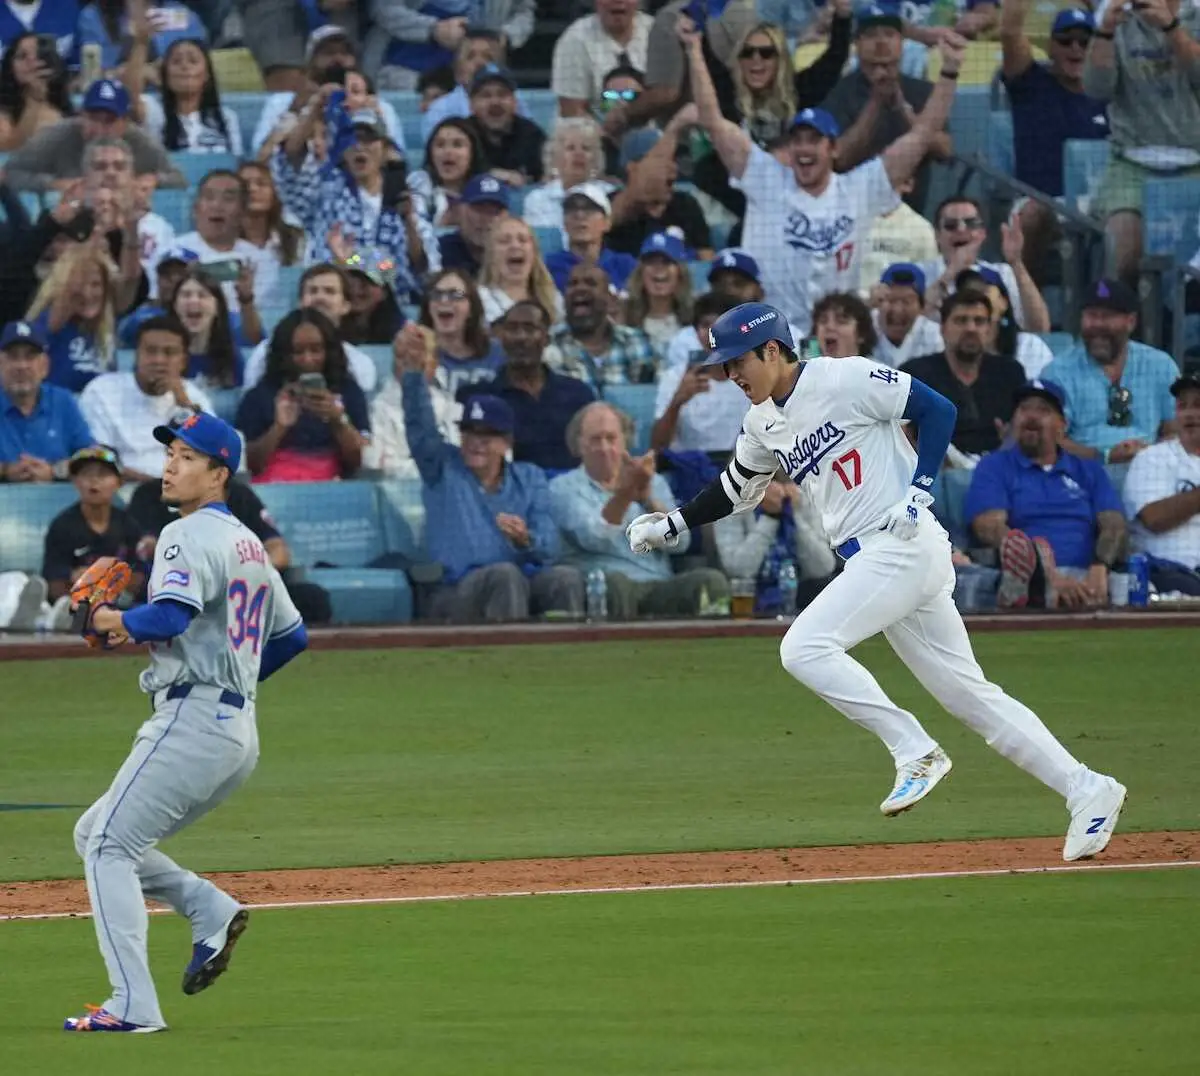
x=213 y=563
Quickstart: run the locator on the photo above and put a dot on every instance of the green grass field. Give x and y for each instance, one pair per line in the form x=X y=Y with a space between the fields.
x=397 y=756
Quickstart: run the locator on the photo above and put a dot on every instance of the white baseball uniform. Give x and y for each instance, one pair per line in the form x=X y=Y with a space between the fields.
x=838 y=437
x=198 y=747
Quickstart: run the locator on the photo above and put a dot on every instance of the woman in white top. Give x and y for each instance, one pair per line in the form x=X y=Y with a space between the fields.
x=264 y=227
x=659 y=291
x=574 y=154
x=190 y=117
x=513 y=270
x=452 y=156
x=842 y=326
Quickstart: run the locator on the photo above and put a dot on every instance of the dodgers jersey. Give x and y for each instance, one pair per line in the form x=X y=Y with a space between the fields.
x=838 y=437
x=809 y=245
x=213 y=563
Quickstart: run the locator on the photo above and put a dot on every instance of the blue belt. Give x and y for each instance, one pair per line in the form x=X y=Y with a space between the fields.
x=228 y=698
x=848 y=548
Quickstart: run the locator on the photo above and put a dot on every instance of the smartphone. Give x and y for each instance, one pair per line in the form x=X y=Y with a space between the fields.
x=80 y=226
x=90 y=65
x=224 y=271
x=395 y=182
x=167 y=19
x=312 y=382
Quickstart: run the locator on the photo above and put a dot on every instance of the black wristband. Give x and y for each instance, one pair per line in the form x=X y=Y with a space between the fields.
x=951 y=75
x=1172 y=26
x=1103 y=36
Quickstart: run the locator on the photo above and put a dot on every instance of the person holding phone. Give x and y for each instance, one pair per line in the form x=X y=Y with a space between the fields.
x=359 y=195
x=306 y=420
x=34 y=90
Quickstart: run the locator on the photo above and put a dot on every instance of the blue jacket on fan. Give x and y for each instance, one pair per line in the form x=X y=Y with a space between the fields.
x=57 y=19
x=401 y=34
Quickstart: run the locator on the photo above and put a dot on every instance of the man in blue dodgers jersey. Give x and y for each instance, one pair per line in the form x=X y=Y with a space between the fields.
x=833 y=425
x=219 y=621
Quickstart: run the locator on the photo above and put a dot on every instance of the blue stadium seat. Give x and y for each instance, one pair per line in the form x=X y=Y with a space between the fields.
x=1116 y=475
x=287 y=283
x=1170 y=209
x=542 y=106
x=126 y=358
x=718 y=232
x=698 y=271
x=1000 y=141
x=637 y=401
x=549 y=240
x=970 y=120
x=403 y=516
x=414 y=144
x=175 y=207
x=955 y=481
x=1057 y=342
x=339 y=523
x=381 y=356
x=195 y=166
x=1084 y=162
x=25 y=513
x=225 y=402
x=247 y=107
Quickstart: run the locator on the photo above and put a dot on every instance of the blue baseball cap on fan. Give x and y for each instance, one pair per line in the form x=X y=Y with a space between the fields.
x=1050 y=391
x=107 y=95
x=745 y=328
x=669 y=246
x=905 y=275
x=488 y=414
x=1072 y=19
x=819 y=120
x=735 y=261
x=700 y=11
x=205 y=433
x=485 y=188
x=21 y=332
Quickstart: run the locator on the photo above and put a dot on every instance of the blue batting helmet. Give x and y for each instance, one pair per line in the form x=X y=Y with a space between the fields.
x=745 y=328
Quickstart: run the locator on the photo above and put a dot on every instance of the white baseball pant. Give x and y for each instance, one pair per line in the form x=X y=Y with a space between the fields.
x=904 y=589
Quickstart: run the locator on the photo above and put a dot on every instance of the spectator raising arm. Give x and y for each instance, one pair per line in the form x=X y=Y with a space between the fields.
x=903 y=156
x=1016 y=51
x=732 y=144
x=1100 y=67
x=428 y=448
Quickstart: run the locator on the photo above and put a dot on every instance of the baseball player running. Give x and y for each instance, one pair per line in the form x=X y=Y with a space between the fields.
x=218 y=622
x=834 y=426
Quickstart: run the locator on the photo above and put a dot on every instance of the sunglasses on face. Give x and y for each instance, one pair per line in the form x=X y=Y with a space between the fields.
x=447 y=295
x=960 y=224
x=620 y=95
x=1066 y=40
x=96 y=455
x=761 y=52
x=1120 y=406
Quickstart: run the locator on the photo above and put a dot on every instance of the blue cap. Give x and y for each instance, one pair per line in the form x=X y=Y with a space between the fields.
x=1047 y=390
x=737 y=261
x=205 y=433
x=1072 y=19
x=485 y=188
x=743 y=329
x=492 y=73
x=636 y=144
x=486 y=412
x=819 y=120
x=21 y=332
x=107 y=95
x=905 y=275
x=669 y=246
x=881 y=13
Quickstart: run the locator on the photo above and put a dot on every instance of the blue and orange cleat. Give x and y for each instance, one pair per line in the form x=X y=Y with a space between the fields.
x=100 y=1019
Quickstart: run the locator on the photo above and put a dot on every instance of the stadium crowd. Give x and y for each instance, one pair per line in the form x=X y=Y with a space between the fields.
x=468 y=313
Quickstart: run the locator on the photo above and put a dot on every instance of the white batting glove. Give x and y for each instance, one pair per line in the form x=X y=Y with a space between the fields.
x=651 y=532
x=904 y=518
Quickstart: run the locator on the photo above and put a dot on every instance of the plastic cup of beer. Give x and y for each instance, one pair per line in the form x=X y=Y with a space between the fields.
x=741 y=598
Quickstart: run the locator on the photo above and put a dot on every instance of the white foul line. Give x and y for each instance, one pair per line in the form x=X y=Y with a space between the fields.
x=661 y=887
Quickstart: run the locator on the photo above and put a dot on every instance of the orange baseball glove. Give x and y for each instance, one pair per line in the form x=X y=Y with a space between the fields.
x=101 y=585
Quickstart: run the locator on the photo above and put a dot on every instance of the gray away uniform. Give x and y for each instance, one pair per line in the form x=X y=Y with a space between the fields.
x=195 y=750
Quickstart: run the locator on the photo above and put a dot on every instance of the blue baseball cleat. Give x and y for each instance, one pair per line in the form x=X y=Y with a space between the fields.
x=211 y=957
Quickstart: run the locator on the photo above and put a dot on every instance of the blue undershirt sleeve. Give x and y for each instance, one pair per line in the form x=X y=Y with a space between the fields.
x=280 y=650
x=158 y=621
x=935 y=417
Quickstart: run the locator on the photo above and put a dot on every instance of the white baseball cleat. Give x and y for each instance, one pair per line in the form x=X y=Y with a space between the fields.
x=1094 y=819
x=915 y=780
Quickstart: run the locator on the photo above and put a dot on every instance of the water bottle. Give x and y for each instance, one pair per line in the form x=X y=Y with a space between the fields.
x=597 y=595
x=788 y=582
x=1139 y=580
